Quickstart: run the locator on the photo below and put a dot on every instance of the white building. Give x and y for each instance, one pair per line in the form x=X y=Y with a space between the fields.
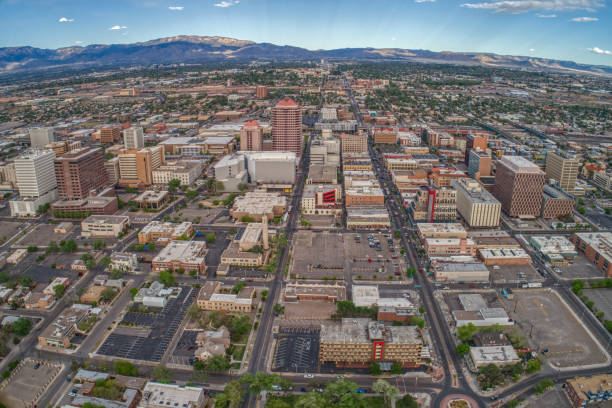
x=231 y=171
x=35 y=173
x=157 y=395
x=133 y=138
x=271 y=167
x=104 y=226
x=497 y=355
x=476 y=205
x=185 y=171
x=40 y=137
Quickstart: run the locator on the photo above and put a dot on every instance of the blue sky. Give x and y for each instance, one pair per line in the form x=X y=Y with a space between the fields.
x=577 y=30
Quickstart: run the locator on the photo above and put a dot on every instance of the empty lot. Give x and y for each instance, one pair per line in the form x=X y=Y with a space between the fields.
x=548 y=324
x=317 y=256
x=27 y=384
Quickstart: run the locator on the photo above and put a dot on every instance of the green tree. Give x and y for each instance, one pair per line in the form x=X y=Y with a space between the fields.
x=68 y=246
x=98 y=244
x=396 y=368
x=32 y=248
x=231 y=397
x=166 y=277
x=217 y=363
x=260 y=381
x=59 y=291
x=133 y=291
x=173 y=185
x=211 y=237
x=161 y=374
x=463 y=349
x=191 y=194
x=194 y=312
x=122 y=367
x=533 y=366
x=52 y=247
x=22 y=326
x=406 y=402
x=278 y=309
x=108 y=294
x=543 y=385
x=374 y=369
x=312 y=400
x=388 y=391
x=465 y=332
x=238 y=287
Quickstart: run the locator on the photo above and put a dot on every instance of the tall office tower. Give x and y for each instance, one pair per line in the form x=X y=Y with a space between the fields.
x=40 y=137
x=112 y=170
x=287 y=126
x=35 y=180
x=480 y=164
x=251 y=137
x=110 y=134
x=518 y=186
x=475 y=142
x=261 y=91
x=136 y=166
x=80 y=172
x=563 y=168
x=476 y=205
x=133 y=138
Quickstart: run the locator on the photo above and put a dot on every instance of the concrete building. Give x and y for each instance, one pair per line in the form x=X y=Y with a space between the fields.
x=187 y=172
x=603 y=180
x=449 y=246
x=504 y=256
x=258 y=204
x=163 y=232
x=287 y=126
x=322 y=174
x=231 y=171
x=322 y=199
x=443 y=177
x=386 y=136
x=36 y=181
x=271 y=167
x=480 y=164
x=80 y=173
x=409 y=180
x=475 y=143
x=212 y=342
x=136 y=165
x=354 y=143
x=556 y=203
x=584 y=391
x=359 y=342
x=133 y=138
x=368 y=217
x=112 y=170
x=104 y=226
x=597 y=247
x=556 y=249
x=213 y=296
x=110 y=134
x=251 y=137
x=434 y=204
x=440 y=230
x=162 y=395
x=152 y=199
x=364 y=195
x=562 y=167
x=40 y=137
x=496 y=355
x=296 y=292
x=518 y=186
x=125 y=261
x=459 y=269
x=477 y=206
x=261 y=91
x=60 y=332
x=98 y=205
x=186 y=255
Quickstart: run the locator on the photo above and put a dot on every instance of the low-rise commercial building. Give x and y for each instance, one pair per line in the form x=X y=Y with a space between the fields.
x=583 y=391
x=434 y=204
x=232 y=255
x=99 y=205
x=125 y=261
x=369 y=217
x=186 y=255
x=364 y=196
x=158 y=231
x=214 y=296
x=504 y=256
x=459 y=269
x=597 y=247
x=186 y=172
x=161 y=395
x=258 y=204
x=444 y=177
x=440 y=230
x=555 y=249
x=322 y=199
x=354 y=143
x=496 y=355
x=449 y=246
x=152 y=200
x=104 y=226
x=60 y=332
x=295 y=292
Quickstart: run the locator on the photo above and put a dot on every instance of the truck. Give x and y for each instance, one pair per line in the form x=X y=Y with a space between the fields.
x=532 y=285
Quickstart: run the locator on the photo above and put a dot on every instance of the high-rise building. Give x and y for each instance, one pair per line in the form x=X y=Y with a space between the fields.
x=287 y=126
x=476 y=205
x=40 y=137
x=112 y=170
x=80 y=172
x=518 y=186
x=261 y=91
x=136 y=166
x=476 y=143
x=110 y=134
x=251 y=137
x=435 y=204
x=133 y=137
x=563 y=168
x=36 y=181
x=354 y=143
x=479 y=164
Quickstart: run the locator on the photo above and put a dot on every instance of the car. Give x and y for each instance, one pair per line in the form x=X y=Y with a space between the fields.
x=243 y=279
x=340 y=377
x=36 y=366
x=406 y=295
x=446 y=288
x=494 y=397
x=308 y=375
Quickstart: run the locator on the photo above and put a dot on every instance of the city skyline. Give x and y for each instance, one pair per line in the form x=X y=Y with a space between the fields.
x=576 y=30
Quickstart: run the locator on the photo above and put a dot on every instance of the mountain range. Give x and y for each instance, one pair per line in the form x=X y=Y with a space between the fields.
x=196 y=49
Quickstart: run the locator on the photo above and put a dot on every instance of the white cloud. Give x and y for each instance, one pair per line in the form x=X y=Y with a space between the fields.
x=66 y=20
x=531 y=50
x=584 y=19
x=176 y=8
x=596 y=50
x=547 y=15
x=78 y=42
x=393 y=38
x=424 y=1
x=524 y=6
x=117 y=27
x=227 y=3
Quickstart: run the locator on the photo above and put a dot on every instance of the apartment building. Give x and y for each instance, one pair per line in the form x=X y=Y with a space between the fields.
x=214 y=296
x=582 y=391
x=477 y=206
x=518 y=186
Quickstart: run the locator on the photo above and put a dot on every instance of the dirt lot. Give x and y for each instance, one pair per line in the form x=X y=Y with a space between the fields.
x=549 y=325
x=206 y=215
x=318 y=255
x=28 y=383
x=580 y=268
x=553 y=398
x=309 y=310
x=41 y=235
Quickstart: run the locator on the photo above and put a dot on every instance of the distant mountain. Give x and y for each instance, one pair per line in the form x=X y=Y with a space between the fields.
x=195 y=49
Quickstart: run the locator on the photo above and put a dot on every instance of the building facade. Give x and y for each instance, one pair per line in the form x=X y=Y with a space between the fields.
x=79 y=173
x=287 y=126
x=476 y=205
x=251 y=137
x=563 y=168
x=518 y=186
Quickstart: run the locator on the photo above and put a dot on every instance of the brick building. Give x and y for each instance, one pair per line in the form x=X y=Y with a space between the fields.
x=287 y=126
x=518 y=186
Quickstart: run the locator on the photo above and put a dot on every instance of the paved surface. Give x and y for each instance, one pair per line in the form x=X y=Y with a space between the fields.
x=603 y=300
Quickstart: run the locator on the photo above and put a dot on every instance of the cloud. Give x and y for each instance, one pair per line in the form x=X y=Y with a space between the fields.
x=66 y=20
x=547 y=15
x=393 y=38
x=596 y=50
x=584 y=19
x=524 y=6
x=424 y=1
x=227 y=3
x=78 y=42
x=117 y=27
x=176 y=8
x=531 y=50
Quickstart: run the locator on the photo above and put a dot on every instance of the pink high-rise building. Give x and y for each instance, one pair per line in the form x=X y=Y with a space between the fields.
x=251 y=137
x=287 y=126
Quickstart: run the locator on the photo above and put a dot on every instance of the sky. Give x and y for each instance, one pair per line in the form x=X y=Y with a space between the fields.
x=575 y=30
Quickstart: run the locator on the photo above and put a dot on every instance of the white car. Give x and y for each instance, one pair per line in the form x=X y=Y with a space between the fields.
x=308 y=376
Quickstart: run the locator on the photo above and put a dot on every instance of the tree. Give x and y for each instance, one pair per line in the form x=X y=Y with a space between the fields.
x=465 y=332
x=396 y=368
x=417 y=321
x=173 y=185
x=194 y=312
x=166 y=277
x=125 y=368
x=388 y=391
x=543 y=385
x=68 y=246
x=52 y=247
x=312 y=400
x=32 y=248
x=191 y=194
x=108 y=294
x=22 y=326
x=211 y=237
x=161 y=374
x=217 y=363
x=374 y=369
x=133 y=291
x=278 y=309
x=260 y=381
x=105 y=261
x=463 y=349
x=59 y=290
x=99 y=244
x=406 y=402
x=238 y=287
x=533 y=366
x=232 y=396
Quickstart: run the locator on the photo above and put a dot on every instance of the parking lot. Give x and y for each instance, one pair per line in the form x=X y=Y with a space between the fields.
x=603 y=300
x=553 y=398
x=8 y=229
x=163 y=325
x=297 y=350
x=514 y=274
x=552 y=329
x=41 y=235
x=317 y=255
x=321 y=221
x=30 y=379
x=206 y=215
x=580 y=268
x=368 y=261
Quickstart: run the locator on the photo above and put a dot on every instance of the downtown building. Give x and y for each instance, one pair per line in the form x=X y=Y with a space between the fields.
x=251 y=137
x=136 y=165
x=562 y=167
x=34 y=171
x=476 y=205
x=287 y=126
x=80 y=173
x=518 y=186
